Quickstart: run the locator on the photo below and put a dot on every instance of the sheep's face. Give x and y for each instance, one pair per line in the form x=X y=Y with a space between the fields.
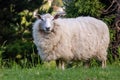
x=46 y=23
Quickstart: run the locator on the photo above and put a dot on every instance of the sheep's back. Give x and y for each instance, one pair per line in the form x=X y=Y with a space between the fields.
x=86 y=36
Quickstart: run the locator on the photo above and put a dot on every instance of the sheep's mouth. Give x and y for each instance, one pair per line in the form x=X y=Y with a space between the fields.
x=46 y=31
x=49 y=31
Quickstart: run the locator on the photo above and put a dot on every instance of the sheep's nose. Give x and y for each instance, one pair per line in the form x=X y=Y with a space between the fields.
x=48 y=28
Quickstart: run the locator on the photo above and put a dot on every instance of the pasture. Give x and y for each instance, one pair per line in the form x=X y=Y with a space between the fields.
x=47 y=72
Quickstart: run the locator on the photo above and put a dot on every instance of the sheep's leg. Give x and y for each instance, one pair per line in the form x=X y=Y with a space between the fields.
x=60 y=64
x=104 y=59
x=103 y=63
x=86 y=63
x=102 y=56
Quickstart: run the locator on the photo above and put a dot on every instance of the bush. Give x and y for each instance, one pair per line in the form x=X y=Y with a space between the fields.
x=76 y=8
x=21 y=53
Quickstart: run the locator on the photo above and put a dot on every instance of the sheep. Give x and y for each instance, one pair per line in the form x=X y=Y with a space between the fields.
x=70 y=39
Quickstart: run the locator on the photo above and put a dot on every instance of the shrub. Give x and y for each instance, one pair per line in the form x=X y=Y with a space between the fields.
x=22 y=53
x=76 y=8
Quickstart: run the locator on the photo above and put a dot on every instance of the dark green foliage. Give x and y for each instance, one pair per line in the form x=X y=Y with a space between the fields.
x=16 y=44
x=13 y=16
x=76 y=8
x=21 y=52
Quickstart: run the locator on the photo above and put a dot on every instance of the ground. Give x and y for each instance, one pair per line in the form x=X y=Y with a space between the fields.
x=112 y=72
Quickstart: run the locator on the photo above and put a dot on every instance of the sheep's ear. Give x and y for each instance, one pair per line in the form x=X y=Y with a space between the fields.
x=38 y=16
x=56 y=16
x=60 y=14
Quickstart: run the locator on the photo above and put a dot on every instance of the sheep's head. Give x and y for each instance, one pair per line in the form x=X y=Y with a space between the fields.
x=47 y=22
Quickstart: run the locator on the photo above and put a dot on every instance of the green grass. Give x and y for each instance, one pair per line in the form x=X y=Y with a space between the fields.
x=43 y=72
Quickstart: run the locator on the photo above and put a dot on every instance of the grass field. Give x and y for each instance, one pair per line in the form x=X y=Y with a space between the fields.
x=51 y=73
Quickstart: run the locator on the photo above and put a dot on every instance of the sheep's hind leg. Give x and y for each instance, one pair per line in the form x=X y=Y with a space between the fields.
x=58 y=63
x=103 y=57
x=103 y=63
x=86 y=63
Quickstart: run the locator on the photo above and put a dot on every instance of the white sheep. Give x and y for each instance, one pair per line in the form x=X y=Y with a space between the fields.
x=69 y=39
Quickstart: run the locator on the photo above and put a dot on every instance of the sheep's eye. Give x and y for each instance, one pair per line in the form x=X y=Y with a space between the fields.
x=42 y=19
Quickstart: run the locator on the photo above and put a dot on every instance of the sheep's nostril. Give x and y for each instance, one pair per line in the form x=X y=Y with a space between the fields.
x=48 y=28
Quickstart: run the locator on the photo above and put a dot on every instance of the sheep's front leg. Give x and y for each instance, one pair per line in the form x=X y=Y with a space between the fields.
x=60 y=64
